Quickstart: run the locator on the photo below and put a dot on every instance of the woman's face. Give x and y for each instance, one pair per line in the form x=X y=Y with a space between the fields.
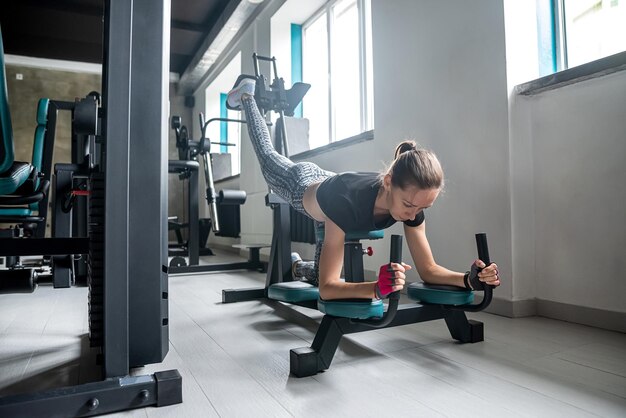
x=405 y=204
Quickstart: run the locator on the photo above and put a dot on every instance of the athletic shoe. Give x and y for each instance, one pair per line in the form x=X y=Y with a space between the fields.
x=245 y=84
x=295 y=259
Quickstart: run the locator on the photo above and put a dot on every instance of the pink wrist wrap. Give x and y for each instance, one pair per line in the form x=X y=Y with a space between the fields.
x=386 y=280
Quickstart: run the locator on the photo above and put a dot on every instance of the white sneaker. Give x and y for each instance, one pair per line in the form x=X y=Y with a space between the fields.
x=244 y=85
x=295 y=259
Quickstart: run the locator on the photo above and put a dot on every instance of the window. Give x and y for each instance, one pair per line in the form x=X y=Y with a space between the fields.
x=587 y=30
x=337 y=62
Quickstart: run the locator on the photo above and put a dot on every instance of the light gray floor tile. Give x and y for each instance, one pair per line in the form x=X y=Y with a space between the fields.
x=234 y=359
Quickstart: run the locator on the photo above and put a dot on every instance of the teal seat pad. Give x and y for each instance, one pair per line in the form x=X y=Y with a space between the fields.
x=439 y=294
x=353 y=236
x=14 y=177
x=352 y=308
x=293 y=292
x=15 y=212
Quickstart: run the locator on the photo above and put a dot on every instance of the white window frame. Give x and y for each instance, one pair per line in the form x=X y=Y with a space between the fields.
x=366 y=105
x=560 y=36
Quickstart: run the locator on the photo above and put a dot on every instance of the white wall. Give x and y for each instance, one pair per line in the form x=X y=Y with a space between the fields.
x=571 y=233
x=439 y=77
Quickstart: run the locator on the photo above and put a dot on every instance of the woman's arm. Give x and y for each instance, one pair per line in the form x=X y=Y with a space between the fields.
x=432 y=272
x=331 y=261
x=427 y=268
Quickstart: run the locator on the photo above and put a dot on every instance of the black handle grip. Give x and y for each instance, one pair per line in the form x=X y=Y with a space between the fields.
x=483 y=254
x=483 y=249
x=395 y=255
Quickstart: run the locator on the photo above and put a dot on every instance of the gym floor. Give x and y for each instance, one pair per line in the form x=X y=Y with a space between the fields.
x=234 y=360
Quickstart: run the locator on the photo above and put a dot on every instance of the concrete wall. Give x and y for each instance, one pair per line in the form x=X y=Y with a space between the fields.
x=24 y=95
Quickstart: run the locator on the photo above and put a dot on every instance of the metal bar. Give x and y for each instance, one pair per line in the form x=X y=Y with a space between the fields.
x=462 y=329
x=210 y=191
x=327 y=340
x=309 y=361
x=243 y=265
x=44 y=246
x=193 y=243
x=242 y=295
x=112 y=395
x=279 y=268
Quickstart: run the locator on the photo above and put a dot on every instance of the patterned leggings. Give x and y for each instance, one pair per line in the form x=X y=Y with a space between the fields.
x=287 y=179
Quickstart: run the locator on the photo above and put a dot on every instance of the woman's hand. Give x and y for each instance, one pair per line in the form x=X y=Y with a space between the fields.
x=391 y=278
x=479 y=275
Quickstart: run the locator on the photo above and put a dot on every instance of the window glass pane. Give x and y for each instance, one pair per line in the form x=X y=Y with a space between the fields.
x=345 y=82
x=369 y=69
x=315 y=72
x=594 y=29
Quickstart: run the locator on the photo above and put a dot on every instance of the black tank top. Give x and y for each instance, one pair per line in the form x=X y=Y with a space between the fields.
x=348 y=200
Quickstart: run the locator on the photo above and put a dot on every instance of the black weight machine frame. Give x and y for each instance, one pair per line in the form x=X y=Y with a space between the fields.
x=188 y=167
x=133 y=298
x=308 y=361
x=275 y=98
x=66 y=222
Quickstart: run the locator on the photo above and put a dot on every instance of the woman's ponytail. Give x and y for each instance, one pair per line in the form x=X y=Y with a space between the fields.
x=413 y=166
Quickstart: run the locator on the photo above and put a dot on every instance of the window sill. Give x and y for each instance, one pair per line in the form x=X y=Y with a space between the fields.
x=362 y=137
x=593 y=69
x=365 y=136
x=225 y=179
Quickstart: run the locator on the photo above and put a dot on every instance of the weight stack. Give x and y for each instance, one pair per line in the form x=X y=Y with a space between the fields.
x=95 y=268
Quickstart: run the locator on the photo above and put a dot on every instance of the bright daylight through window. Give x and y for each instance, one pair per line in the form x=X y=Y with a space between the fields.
x=337 y=63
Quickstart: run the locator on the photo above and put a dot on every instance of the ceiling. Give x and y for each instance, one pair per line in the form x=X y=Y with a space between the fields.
x=72 y=29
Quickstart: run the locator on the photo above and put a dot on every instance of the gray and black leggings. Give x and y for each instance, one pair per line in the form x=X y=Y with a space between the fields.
x=287 y=179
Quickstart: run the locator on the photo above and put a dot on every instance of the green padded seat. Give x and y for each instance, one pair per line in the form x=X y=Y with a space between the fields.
x=16 y=212
x=352 y=308
x=14 y=177
x=40 y=135
x=439 y=294
x=353 y=236
x=293 y=292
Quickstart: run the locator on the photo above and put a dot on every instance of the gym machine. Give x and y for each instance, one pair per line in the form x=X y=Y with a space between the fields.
x=128 y=301
x=187 y=168
x=70 y=191
x=354 y=315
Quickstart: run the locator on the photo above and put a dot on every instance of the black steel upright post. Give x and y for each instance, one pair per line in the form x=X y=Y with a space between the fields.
x=147 y=182
x=116 y=132
x=279 y=268
x=135 y=132
x=132 y=292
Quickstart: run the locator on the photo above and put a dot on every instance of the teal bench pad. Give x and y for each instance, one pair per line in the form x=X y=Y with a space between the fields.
x=352 y=308
x=293 y=292
x=353 y=236
x=439 y=294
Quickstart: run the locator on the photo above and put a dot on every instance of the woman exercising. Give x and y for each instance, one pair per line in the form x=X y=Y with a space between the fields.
x=355 y=202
